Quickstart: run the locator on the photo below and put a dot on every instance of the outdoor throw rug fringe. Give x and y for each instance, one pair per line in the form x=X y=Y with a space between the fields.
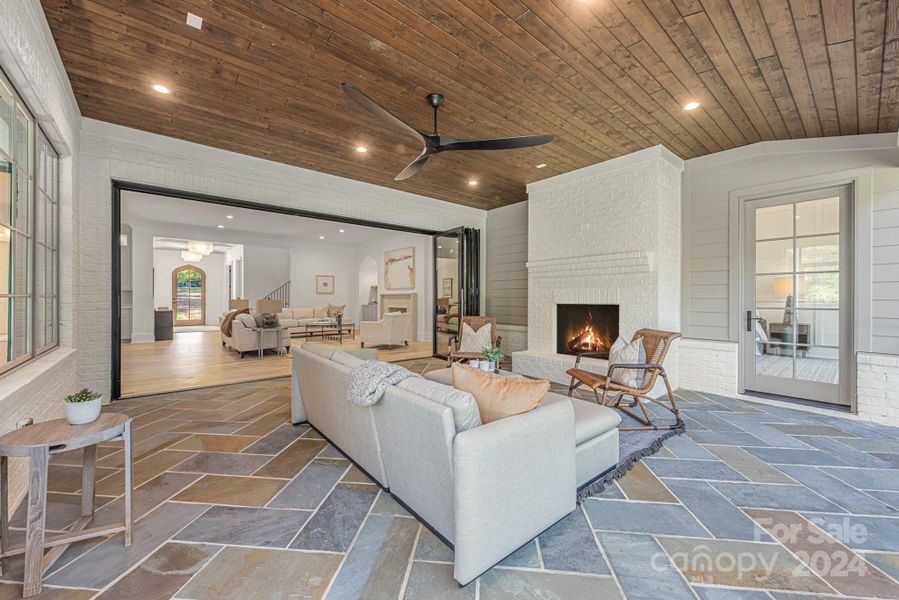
x=632 y=446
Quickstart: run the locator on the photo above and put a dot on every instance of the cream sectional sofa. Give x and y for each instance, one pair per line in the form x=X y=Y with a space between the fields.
x=485 y=489
x=296 y=318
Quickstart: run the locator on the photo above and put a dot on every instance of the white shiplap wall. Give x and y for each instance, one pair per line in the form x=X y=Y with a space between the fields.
x=507 y=256
x=708 y=183
x=885 y=272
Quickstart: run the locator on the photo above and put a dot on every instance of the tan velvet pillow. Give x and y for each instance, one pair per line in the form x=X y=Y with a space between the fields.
x=498 y=396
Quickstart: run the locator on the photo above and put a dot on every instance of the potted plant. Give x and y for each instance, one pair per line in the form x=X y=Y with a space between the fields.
x=83 y=407
x=492 y=356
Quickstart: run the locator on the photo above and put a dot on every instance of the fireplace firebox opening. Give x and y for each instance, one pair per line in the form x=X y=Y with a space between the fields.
x=586 y=328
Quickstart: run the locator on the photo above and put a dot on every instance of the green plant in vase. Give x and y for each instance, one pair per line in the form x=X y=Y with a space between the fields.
x=83 y=406
x=493 y=357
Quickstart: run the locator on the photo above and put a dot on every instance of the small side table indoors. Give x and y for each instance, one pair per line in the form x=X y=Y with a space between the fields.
x=38 y=443
x=279 y=331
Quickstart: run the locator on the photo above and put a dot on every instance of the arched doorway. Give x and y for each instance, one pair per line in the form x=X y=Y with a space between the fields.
x=189 y=295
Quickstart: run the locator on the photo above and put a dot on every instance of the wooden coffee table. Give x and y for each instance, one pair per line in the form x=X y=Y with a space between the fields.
x=38 y=443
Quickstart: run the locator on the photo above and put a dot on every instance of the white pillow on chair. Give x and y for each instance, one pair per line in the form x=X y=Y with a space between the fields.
x=624 y=353
x=475 y=341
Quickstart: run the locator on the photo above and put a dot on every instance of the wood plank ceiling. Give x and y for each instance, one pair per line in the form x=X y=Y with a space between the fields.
x=606 y=77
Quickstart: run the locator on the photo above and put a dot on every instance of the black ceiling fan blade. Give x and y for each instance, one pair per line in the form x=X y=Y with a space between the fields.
x=525 y=141
x=414 y=167
x=359 y=97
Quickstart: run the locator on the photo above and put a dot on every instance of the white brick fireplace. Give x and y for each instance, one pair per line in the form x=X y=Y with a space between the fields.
x=605 y=234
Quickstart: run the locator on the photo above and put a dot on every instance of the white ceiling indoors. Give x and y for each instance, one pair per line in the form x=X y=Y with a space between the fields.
x=139 y=207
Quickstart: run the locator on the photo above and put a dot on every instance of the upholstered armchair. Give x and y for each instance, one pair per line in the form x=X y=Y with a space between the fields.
x=389 y=331
x=461 y=349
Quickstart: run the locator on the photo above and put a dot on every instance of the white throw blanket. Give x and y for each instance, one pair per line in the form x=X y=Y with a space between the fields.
x=369 y=380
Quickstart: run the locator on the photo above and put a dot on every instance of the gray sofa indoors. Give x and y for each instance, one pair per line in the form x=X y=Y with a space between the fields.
x=488 y=489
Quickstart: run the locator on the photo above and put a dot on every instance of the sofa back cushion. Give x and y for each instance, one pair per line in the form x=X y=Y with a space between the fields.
x=302 y=313
x=319 y=349
x=463 y=405
x=346 y=359
x=499 y=396
x=248 y=321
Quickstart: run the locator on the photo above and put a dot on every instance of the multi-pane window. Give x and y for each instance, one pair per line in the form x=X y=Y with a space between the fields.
x=46 y=247
x=29 y=226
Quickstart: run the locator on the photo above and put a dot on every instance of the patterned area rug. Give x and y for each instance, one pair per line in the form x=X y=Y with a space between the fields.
x=632 y=445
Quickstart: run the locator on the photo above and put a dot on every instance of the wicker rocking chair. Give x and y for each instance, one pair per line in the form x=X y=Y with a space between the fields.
x=455 y=342
x=656 y=344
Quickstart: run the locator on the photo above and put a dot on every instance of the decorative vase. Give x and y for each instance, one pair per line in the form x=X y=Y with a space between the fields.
x=474 y=363
x=80 y=413
x=488 y=365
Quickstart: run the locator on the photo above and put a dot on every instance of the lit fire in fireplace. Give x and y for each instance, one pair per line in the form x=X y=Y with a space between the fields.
x=588 y=340
x=585 y=328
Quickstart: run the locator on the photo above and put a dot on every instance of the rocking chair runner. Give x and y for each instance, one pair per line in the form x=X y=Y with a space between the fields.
x=656 y=344
x=455 y=342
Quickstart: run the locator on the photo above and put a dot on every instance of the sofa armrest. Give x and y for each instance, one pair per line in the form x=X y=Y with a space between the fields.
x=513 y=478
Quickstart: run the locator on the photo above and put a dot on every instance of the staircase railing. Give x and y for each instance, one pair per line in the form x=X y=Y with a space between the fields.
x=282 y=293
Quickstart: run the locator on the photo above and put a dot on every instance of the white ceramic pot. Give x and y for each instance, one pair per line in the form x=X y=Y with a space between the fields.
x=79 y=413
x=474 y=363
x=488 y=365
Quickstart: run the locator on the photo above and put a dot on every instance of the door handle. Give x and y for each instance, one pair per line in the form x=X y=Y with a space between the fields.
x=750 y=319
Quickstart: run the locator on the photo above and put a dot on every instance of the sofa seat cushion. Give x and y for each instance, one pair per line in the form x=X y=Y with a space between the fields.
x=288 y=322
x=590 y=419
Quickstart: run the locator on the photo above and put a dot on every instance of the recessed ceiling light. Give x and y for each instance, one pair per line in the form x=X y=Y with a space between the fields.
x=472 y=182
x=321 y=237
x=540 y=166
x=691 y=105
x=361 y=149
x=440 y=247
x=194 y=21
x=341 y=230
x=158 y=87
x=221 y=226
x=229 y=216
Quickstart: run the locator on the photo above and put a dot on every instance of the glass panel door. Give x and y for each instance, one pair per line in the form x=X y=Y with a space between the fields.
x=448 y=294
x=189 y=296
x=796 y=330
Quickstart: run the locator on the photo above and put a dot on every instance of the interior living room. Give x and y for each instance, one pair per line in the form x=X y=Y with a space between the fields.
x=469 y=299
x=185 y=264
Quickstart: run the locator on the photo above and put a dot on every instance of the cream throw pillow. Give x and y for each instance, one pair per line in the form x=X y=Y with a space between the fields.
x=497 y=396
x=475 y=341
x=624 y=353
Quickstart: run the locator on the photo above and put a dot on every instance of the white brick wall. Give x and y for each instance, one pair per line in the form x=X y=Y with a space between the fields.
x=35 y=390
x=878 y=387
x=708 y=366
x=29 y=58
x=607 y=234
x=112 y=152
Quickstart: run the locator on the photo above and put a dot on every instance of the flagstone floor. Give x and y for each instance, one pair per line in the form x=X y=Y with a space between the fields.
x=234 y=502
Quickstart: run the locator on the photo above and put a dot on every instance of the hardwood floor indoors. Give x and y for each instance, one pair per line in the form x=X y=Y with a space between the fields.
x=197 y=359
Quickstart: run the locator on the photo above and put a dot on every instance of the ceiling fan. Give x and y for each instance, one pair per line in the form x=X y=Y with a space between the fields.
x=434 y=143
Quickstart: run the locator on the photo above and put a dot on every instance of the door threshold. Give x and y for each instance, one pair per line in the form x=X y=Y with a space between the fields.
x=799 y=401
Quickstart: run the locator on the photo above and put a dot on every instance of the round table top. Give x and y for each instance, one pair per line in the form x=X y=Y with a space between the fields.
x=60 y=436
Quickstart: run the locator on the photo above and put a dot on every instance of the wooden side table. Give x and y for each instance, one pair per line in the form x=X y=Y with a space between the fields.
x=38 y=443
